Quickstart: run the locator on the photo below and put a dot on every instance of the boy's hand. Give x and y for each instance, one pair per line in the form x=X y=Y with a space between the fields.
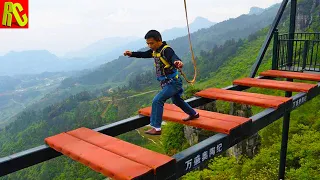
x=178 y=64
x=127 y=53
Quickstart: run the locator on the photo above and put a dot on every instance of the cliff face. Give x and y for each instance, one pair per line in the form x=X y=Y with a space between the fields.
x=196 y=135
x=250 y=146
x=308 y=12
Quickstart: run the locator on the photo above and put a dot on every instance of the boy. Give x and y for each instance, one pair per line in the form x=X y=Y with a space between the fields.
x=166 y=63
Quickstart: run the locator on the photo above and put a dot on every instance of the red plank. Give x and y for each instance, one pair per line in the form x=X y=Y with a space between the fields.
x=130 y=151
x=291 y=75
x=101 y=160
x=273 y=84
x=261 y=100
x=208 y=120
x=209 y=114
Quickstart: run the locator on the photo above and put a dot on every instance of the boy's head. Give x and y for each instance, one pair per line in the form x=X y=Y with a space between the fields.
x=153 y=39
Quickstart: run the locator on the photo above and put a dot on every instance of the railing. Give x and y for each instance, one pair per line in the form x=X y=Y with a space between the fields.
x=305 y=54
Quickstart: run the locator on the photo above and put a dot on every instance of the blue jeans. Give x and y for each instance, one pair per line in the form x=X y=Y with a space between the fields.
x=174 y=91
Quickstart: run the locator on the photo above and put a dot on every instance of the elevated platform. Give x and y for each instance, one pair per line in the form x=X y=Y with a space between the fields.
x=121 y=160
x=211 y=121
x=265 y=101
x=273 y=84
x=291 y=75
x=112 y=157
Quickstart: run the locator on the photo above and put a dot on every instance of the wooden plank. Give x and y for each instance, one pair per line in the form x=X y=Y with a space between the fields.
x=273 y=84
x=221 y=123
x=260 y=100
x=98 y=159
x=161 y=164
x=291 y=75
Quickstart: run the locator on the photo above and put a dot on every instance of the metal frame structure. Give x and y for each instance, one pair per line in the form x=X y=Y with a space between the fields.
x=194 y=156
x=286 y=117
x=188 y=159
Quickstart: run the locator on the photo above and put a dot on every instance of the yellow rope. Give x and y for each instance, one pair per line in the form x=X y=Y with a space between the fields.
x=192 y=54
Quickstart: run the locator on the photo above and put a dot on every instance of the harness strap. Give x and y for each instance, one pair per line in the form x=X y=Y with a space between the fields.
x=160 y=56
x=169 y=76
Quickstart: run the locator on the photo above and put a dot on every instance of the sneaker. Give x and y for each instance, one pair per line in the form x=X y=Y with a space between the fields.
x=153 y=131
x=191 y=117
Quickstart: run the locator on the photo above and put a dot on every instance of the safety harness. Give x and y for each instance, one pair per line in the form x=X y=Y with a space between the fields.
x=164 y=70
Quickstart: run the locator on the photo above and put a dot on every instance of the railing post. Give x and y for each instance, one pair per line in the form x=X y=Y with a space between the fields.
x=286 y=117
x=284 y=142
x=305 y=54
x=291 y=31
x=275 y=56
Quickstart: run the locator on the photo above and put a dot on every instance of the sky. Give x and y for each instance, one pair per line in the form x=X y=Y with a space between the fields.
x=61 y=26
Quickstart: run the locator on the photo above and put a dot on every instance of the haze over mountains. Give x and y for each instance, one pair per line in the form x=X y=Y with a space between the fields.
x=123 y=68
x=93 y=55
x=102 y=51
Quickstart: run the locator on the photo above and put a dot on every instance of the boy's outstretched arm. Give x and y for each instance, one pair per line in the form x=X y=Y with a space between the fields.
x=146 y=54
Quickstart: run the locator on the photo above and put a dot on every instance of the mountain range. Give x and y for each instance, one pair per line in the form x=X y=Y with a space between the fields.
x=122 y=68
x=95 y=54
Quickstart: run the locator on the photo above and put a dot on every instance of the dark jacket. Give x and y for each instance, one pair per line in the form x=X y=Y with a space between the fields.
x=167 y=54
